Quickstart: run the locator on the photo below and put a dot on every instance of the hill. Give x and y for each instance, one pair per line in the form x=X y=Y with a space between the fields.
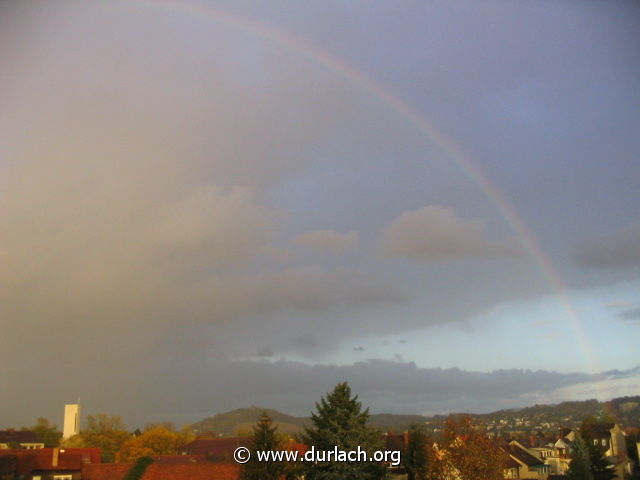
x=625 y=411
x=241 y=420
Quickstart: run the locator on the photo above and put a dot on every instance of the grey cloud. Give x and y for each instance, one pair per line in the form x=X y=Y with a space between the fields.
x=614 y=251
x=436 y=233
x=306 y=341
x=631 y=314
x=140 y=192
x=196 y=391
x=265 y=352
x=618 y=304
x=328 y=241
x=143 y=220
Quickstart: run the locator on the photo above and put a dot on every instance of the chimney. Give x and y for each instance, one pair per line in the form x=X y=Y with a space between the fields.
x=54 y=459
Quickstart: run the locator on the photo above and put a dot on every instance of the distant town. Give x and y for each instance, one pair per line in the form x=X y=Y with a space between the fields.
x=540 y=442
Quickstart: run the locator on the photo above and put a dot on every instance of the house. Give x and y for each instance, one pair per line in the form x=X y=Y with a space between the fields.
x=164 y=471
x=51 y=463
x=610 y=438
x=511 y=468
x=18 y=439
x=560 y=456
x=524 y=464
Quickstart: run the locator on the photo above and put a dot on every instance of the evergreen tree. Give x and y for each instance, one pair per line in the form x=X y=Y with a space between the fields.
x=340 y=422
x=580 y=465
x=601 y=469
x=415 y=456
x=137 y=471
x=265 y=437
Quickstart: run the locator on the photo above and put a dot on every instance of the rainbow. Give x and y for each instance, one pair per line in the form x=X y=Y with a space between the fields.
x=310 y=52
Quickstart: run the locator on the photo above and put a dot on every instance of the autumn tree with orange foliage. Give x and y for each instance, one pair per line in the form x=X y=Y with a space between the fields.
x=466 y=453
x=155 y=441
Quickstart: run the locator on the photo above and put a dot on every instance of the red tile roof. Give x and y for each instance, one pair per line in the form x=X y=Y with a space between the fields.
x=157 y=471
x=105 y=471
x=43 y=459
x=217 y=449
x=180 y=459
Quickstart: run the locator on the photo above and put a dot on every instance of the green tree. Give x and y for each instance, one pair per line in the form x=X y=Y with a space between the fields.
x=580 y=465
x=340 y=422
x=265 y=437
x=414 y=458
x=47 y=432
x=103 y=431
x=632 y=438
x=102 y=423
x=601 y=469
x=137 y=471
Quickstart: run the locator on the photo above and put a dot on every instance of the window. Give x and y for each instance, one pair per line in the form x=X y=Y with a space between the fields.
x=62 y=477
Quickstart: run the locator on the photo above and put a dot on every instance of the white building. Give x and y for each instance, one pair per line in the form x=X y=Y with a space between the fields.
x=71 y=425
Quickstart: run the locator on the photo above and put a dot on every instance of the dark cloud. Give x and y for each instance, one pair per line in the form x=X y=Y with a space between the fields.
x=306 y=341
x=614 y=251
x=187 y=390
x=328 y=241
x=265 y=352
x=632 y=314
x=160 y=167
x=436 y=233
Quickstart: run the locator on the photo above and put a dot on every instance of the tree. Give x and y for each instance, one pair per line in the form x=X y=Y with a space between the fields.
x=47 y=432
x=468 y=451
x=168 y=425
x=103 y=423
x=265 y=437
x=580 y=465
x=340 y=422
x=601 y=469
x=157 y=441
x=102 y=431
x=244 y=432
x=632 y=439
x=137 y=471
x=415 y=456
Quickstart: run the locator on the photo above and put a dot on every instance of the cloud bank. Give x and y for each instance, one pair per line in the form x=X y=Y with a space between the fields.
x=618 y=250
x=328 y=241
x=436 y=233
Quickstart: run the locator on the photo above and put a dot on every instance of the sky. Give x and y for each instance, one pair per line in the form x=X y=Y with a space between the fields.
x=206 y=205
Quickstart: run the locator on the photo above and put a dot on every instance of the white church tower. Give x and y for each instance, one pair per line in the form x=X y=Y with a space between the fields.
x=71 y=420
